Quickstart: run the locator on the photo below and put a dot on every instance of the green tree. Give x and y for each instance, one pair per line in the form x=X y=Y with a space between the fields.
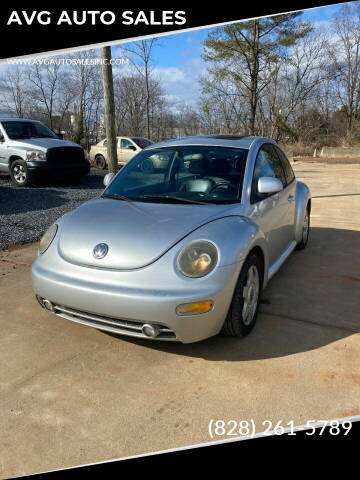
x=246 y=52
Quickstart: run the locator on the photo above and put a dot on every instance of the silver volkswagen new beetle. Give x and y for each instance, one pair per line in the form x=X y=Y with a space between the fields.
x=180 y=244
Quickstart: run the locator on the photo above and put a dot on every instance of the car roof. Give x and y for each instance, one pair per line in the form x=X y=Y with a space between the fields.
x=234 y=141
x=13 y=119
x=119 y=136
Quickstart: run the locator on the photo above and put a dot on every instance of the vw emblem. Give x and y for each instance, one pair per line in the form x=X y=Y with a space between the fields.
x=100 y=250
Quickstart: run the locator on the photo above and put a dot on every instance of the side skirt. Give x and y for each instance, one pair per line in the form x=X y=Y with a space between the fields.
x=277 y=264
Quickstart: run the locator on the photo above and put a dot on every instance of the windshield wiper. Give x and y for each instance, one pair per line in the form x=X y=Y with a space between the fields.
x=175 y=199
x=116 y=196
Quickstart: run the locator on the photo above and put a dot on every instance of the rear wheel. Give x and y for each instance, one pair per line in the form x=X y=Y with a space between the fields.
x=100 y=162
x=19 y=173
x=305 y=231
x=244 y=306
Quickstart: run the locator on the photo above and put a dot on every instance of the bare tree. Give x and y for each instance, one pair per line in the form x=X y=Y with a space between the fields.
x=142 y=52
x=87 y=84
x=14 y=91
x=130 y=104
x=44 y=80
x=65 y=98
x=131 y=97
x=294 y=83
x=345 y=55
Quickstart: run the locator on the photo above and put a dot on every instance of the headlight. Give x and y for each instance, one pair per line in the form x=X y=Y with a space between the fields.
x=36 y=155
x=197 y=259
x=47 y=238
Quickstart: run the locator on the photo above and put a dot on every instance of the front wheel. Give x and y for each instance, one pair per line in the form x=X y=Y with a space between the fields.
x=305 y=231
x=100 y=162
x=244 y=307
x=19 y=173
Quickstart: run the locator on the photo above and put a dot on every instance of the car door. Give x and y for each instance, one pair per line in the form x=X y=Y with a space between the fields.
x=103 y=148
x=118 y=149
x=271 y=211
x=128 y=150
x=290 y=191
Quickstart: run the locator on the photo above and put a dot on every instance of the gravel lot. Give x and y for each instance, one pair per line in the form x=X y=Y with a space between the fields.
x=25 y=213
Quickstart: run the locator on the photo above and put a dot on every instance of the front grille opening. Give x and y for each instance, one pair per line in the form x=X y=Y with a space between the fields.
x=115 y=325
x=65 y=155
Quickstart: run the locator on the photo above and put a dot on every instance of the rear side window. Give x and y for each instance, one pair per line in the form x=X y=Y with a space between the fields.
x=267 y=165
x=126 y=143
x=141 y=142
x=289 y=173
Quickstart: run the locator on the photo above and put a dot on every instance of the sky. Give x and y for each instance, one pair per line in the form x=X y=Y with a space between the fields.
x=177 y=58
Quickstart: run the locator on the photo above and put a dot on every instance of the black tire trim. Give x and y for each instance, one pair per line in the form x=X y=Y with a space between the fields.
x=302 y=245
x=102 y=158
x=233 y=324
x=28 y=179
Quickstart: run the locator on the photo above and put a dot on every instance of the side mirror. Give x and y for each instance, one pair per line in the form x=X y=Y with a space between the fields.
x=108 y=178
x=269 y=185
x=2 y=138
x=131 y=147
x=60 y=136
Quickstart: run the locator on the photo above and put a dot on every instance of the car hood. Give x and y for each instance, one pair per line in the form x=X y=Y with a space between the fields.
x=42 y=143
x=136 y=233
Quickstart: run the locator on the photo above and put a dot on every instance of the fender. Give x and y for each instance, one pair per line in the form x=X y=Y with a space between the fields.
x=302 y=196
x=235 y=236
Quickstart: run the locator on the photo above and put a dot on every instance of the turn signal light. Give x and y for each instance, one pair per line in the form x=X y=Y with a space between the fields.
x=194 y=308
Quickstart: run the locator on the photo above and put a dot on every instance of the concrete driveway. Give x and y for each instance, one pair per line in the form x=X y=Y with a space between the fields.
x=71 y=395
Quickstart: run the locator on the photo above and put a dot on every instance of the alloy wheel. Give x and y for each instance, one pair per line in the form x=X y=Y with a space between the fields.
x=250 y=295
x=20 y=173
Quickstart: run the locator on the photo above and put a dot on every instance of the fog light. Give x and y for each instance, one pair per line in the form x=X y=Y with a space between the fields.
x=150 y=330
x=194 y=308
x=48 y=305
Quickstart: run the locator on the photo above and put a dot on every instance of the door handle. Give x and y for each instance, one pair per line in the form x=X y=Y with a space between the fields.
x=291 y=198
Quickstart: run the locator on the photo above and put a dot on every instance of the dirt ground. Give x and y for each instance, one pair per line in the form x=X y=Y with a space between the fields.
x=71 y=395
x=332 y=161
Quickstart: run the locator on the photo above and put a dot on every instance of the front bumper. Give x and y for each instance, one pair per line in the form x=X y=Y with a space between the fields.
x=122 y=301
x=42 y=170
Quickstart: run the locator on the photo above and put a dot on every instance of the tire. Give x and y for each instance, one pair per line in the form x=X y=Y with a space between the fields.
x=100 y=162
x=19 y=173
x=244 y=307
x=305 y=231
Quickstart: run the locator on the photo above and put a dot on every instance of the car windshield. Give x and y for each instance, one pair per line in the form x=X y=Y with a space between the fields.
x=20 y=130
x=141 y=142
x=189 y=174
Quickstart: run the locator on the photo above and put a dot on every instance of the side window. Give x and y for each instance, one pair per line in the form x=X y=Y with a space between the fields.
x=126 y=143
x=267 y=165
x=105 y=143
x=289 y=173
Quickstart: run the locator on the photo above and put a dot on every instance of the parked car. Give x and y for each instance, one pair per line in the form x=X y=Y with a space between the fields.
x=127 y=147
x=30 y=151
x=181 y=252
